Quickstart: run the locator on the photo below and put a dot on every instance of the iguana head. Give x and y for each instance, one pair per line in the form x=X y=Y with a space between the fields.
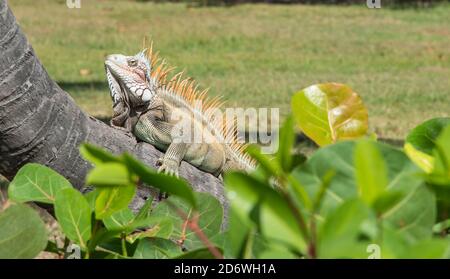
x=129 y=78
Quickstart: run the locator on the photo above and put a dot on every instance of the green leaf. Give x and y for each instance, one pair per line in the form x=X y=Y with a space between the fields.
x=276 y=252
x=119 y=220
x=338 y=236
x=210 y=218
x=421 y=159
x=144 y=211
x=387 y=200
x=38 y=183
x=155 y=227
x=442 y=154
x=74 y=216
x=286 y=143
x=114 y=246
x=428 y=249
x=442 y=227
x=202 y=253
x=299 y=192
x=413 y=215
x=112 y=199
x=371 y=173
x=156 y=248
x=330 y=112
x=91 y=197
x=268 y=164
x=421 y=141
x=22 y=233
x=109 y=175
x=423 y=137
x=276 y=220
x=97 y=155
x=392 y=245
x=240 y=236
x=165 y=183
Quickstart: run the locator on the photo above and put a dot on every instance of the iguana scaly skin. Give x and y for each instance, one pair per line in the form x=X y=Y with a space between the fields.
x=151 y=107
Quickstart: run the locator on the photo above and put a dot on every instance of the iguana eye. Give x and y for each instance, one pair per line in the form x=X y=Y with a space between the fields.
x=132 y=62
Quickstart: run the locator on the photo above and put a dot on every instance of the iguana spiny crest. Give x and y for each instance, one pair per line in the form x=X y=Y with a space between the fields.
x=152 y=106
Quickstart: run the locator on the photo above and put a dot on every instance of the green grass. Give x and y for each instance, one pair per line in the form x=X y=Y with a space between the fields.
x=257 y=55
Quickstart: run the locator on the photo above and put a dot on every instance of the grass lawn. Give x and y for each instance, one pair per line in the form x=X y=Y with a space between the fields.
x=256 y=55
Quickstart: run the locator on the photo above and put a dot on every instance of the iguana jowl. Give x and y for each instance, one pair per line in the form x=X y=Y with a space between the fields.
x=152 y=108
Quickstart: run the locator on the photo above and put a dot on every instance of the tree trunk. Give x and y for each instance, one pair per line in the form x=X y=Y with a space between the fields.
x=41 y=123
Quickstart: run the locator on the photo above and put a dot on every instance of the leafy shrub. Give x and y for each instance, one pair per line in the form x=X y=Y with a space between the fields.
x=353 y=198
x=100 y=222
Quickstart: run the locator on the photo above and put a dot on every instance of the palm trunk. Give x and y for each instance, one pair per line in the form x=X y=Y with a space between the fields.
x=41 y=123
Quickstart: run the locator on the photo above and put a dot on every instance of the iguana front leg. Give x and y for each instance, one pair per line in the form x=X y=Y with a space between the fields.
x=172 y=158
x=123 y=118
x=154 y=129
x=121 y=114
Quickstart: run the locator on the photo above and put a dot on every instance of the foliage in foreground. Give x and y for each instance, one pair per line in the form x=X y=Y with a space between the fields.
x=350 y=199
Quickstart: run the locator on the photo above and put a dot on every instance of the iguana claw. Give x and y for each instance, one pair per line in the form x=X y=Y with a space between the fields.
x=167 y=166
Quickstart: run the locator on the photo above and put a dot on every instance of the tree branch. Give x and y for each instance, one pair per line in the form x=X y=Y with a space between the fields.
x=41 y=123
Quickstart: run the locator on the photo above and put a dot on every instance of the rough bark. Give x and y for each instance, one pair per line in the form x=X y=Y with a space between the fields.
x=41 y=123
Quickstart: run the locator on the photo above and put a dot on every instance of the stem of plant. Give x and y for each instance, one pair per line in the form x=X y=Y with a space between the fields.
x=312 y=245
x=124 y=245
x=94 y=232
x=298 y=215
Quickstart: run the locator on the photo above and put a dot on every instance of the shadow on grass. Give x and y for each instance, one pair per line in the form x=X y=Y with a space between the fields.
x=82 y=86
x=392 y=4
x=104 y=119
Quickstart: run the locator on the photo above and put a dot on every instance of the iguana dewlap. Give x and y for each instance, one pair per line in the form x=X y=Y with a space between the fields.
x=174 y=115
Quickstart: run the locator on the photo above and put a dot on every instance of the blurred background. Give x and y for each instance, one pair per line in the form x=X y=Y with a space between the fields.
x=258 y=54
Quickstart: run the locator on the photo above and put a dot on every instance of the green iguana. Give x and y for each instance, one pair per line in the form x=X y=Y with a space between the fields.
x=153 y=109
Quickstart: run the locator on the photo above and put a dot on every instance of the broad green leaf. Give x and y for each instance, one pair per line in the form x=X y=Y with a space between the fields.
x=156 y=248
x=103 y=237
x=277 y=221
x=338 y=236
x=330 y=112
x=428 y=249
x=163 y=182
x=240 y=237
x=74 y=216
x=371 y=173
x=439 y=178
x=298 y=191
x=442 y=227
x=156 y=227
x=392 y=244
x=22 y=233
x=420 y=142
x=114 y=246
x=97 y=155
x=413 y=215
x=202 y=253
x=91 y=197
x=38 y=183
x=210 y=218
x=266 y=162
x=276 y=252
x=119 y=220
x=109 y=175
x=286 y=142
x=145 y=210
x=423 y=137
x=113 y=199
x=387 y=200
x=442 y=154
x=421 y=159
